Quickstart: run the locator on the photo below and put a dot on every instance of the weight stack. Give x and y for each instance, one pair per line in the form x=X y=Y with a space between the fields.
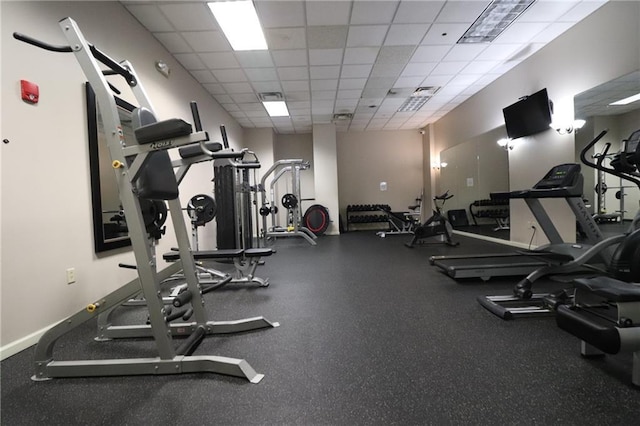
x=224 y=181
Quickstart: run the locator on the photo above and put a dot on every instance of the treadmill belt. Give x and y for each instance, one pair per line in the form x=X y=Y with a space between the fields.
x=486 y=267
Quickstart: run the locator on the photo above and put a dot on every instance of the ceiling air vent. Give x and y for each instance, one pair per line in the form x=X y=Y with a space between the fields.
x=418 y=98
x=270 y=96
x=342 y=116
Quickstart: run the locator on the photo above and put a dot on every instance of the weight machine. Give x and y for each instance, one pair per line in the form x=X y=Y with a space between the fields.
x=143 y=170
x=291 y=201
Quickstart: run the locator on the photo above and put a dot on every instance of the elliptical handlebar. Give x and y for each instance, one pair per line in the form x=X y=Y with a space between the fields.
x=444 y=196
x=99 y=55
x=598 y=165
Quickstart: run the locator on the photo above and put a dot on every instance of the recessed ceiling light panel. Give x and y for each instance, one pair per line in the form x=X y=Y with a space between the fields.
x=494 y=20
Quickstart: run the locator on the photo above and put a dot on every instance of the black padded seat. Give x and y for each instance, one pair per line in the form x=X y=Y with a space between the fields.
x=258 y=252
x=611 y=289
x=195 y=150
x=173 y=256
x=162 y=130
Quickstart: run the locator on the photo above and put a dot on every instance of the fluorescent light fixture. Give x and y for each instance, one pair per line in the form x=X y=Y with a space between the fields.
x=494 y=20
x=504 y=142
x=276 y=108
x=239 y=22
x=418 y=98
x=628 y=100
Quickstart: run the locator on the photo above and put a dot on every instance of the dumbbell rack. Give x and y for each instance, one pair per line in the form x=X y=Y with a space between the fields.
x=358 y=214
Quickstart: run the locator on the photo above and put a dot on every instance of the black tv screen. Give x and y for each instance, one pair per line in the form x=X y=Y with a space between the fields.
x=528 y=116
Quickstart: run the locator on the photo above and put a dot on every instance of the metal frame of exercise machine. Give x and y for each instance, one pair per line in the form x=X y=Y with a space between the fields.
x=130 y=162
x=279 y=169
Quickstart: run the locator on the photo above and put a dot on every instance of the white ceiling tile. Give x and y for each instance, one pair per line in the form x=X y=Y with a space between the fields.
x=266 y=86
x=349 y=94
x=214 y=89
x=551 y=32
x=254 y=59
x=190 y=61
x=405 y=34
x=464 y=80
x=234 y=88
x=387 y=70
x=251 y=106
x=290 y=58
x=325 y=72
x=418 y=69
x=258 y=116
x=286 y=38
x=173 y=42
x=479 y=67
x=324 y=84
x=436 y=80
x=327 y=37
x=230 y=75
x=366 y=35
x=224 y=99
x=464 y=52
x=206 y=41
x=203 y=76
x=323 y=95
x=448 y=33
x=300 y=105
x=276 y=14
x=373 y=12
x=328 y=12
x=408 y=81
x=237 y=114
x=295 y=85
x=462 y=11
x=299 y=96
x=417 y=11
x=293 y=73
x=325 y=56
x=261 y=74
x=232 y=107
x=430 y=53
x=219 y=60
x=189 y=16
x=545 y=11
x=360 y=55
x=522 y=32
x=582 y=10
x=150 y=16
x=394 y=55
x=352 y=83
x=449 y=68
x=375 y=92
x=498 y=52
x=355 y=71
x=240 y=98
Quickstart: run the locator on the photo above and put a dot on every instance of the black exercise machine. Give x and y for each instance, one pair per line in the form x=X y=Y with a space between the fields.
x=436 y=227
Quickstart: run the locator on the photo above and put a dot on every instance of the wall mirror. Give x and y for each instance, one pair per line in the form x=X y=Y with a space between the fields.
x=109 y=227
x=474 y=169
x=620 y=201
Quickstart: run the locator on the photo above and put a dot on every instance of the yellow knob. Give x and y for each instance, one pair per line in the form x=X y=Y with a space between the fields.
x=117 y=164
x=92 y=307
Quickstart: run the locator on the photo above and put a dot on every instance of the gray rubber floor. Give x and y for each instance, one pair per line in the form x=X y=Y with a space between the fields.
x=370 y=334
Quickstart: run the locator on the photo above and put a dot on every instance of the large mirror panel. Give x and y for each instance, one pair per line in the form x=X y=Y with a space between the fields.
x=473 y=170
x=109 y=226
x=619 y=199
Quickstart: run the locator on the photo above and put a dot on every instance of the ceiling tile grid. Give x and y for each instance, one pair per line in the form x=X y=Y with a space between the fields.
x=356 y=57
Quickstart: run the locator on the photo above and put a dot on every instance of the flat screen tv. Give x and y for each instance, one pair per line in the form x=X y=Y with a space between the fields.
x=530 y=115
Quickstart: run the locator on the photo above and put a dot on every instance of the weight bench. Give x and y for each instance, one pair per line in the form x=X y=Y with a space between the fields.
x=245 y=262
x=605 y=316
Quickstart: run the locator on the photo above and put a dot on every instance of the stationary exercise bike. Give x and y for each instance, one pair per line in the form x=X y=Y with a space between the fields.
x=437 y=226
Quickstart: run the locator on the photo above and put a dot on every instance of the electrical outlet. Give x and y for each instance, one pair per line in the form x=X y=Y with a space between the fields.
x=71 y=275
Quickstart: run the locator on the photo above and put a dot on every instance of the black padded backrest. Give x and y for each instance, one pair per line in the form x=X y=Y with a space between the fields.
x=157 y=180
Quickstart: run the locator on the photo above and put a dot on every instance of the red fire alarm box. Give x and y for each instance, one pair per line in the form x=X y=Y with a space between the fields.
x=30 y=91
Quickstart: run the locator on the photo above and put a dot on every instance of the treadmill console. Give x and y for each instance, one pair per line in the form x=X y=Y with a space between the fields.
x=561 y=176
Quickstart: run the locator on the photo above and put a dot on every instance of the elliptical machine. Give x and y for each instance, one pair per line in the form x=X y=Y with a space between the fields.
x=437 y=226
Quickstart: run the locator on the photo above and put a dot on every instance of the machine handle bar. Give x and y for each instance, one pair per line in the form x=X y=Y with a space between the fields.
x=598 y=165
x=100 y=56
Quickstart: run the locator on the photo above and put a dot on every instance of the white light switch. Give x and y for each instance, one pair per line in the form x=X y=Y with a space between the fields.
x=469 y=181
x=383 y=186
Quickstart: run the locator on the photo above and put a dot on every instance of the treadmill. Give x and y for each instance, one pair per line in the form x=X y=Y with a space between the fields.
x=562 y=181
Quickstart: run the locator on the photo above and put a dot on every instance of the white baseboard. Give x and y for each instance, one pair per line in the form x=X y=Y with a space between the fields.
x=22 y=344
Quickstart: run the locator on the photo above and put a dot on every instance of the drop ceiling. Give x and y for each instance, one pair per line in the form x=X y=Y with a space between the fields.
x=345 y=57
